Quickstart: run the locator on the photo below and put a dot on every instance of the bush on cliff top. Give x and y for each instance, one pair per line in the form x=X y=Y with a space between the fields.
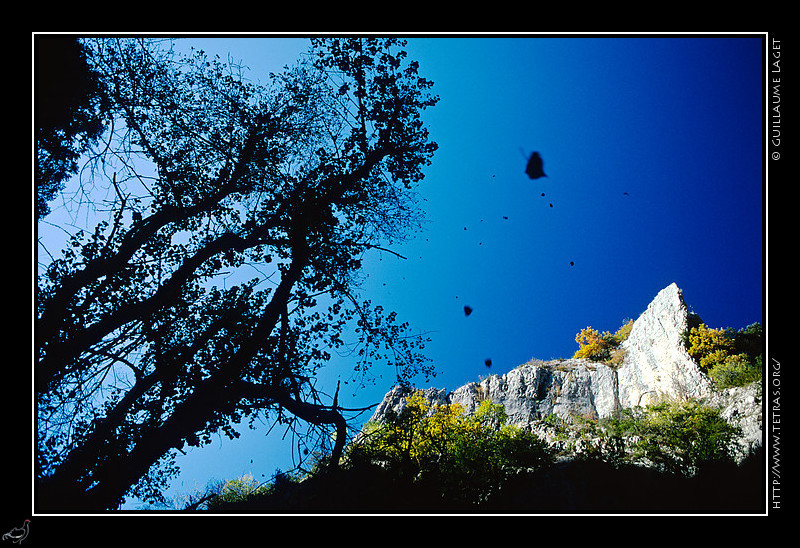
x=728 y=356
x=464 y=457
x=602 y=347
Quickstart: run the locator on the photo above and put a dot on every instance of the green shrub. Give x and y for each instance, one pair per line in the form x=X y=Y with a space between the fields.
x=239 y=489
x=464 y=457
x=682 y=438
x=736 y=370
x=679 y=438
x=246 y=490
x=729 y=357
x=623 y=332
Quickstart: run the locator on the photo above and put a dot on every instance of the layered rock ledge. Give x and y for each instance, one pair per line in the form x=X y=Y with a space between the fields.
x=656 y=367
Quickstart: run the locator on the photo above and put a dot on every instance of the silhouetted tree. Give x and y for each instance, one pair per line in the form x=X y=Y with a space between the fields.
x=70 y=113
x=222 y=271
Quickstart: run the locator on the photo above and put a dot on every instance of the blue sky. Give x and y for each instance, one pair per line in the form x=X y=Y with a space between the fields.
x=676 y=123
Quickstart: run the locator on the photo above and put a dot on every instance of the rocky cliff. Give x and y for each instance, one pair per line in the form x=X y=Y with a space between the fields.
x=656 y=363
x=655 y=367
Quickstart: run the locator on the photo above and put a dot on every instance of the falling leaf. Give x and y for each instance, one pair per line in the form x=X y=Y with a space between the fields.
x=534 y=169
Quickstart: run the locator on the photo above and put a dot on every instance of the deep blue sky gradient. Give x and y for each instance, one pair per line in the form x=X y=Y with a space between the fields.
x=675 y=122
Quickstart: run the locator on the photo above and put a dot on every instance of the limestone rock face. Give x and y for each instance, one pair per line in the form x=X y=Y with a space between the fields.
x=742 y=407
x=395 y=400
x=530 y=392
x=656 y=364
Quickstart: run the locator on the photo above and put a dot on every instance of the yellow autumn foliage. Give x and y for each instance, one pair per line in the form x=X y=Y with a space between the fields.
x=601 y=347
x=709 y=347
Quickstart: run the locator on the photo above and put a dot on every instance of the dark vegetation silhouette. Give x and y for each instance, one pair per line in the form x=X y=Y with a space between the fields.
x=594 y=486
x=226 y=221
x=71 y=110
x=582 y=486
x=480 y=464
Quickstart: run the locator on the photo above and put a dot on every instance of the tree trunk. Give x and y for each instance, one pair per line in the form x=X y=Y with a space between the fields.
x=63 y=491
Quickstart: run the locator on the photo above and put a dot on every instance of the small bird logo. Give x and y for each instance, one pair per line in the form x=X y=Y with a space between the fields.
x=18 y=534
